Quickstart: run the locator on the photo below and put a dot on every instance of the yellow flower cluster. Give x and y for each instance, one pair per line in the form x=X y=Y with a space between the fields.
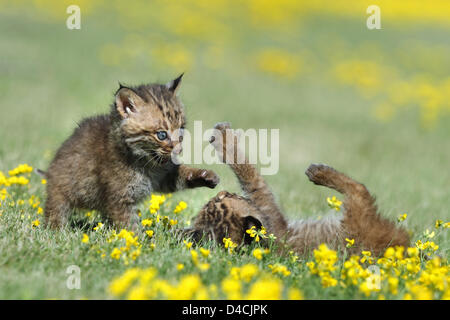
x=229 y=244
x=98 y=226
x=350 y=242
x=201 y=31
x=246 y=273
x=256 y=234
x=130 y=251
x=20 y=169
x=258 y=253
x=370 y=78
x=180 y=207
x=85 y=238
x=324 y=265
x=278 y=62
x=155 y=202
x=8 y=181
x=399 y=273
x=7 y=199
x=14 y=178
x=279 y=268
x=202 y=266
x=408 y=273
x=243 y=283
x=424 y=246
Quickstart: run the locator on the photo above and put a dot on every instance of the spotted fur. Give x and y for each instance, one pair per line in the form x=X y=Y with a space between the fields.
x=229 y=215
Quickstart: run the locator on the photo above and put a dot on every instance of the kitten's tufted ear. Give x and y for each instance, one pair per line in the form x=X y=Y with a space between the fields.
x=127 y=101
x=174 y=84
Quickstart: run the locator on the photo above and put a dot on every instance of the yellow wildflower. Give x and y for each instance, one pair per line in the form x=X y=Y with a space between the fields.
x=115 y=254
x=295 y=294
x=402 y=217
x=204 y=252
x=257 y=233
x=258 y=253
x=334 y=203
x=232 y=288
x=229 y=244
x=187 y=244
x=147 y=222
x=429 y=234
x=438 y=223
x=119 y=285
x=265 y=289
x=85 y=238
x=350 y=242
x=247 y=272
x=203 y=266
x=367 y=256
x=194 y=256
x=279 y=268
x=180 y=207
x=99 y=226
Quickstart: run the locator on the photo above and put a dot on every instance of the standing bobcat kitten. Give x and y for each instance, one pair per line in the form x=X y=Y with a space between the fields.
x=112 y=161
x=230 y=215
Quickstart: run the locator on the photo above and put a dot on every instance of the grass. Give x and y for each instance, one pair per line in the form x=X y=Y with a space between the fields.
x=52 y=78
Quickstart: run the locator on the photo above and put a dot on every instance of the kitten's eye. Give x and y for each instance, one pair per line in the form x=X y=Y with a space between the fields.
x=162 y=135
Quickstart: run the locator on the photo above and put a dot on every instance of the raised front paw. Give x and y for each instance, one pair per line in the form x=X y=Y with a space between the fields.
x=225 y=141
x=219 y=135
x=203 y=178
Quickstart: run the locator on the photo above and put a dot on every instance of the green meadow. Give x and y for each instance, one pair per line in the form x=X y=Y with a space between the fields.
x=371 y=103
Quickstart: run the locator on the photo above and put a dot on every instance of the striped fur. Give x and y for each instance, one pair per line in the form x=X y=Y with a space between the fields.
x=113 y=161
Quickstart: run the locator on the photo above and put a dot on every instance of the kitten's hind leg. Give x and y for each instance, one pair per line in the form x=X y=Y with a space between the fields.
x=361 y=219
x=326 y=176
x=57 y=211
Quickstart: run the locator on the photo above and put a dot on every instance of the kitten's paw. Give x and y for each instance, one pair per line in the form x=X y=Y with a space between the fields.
x=221 y=195
x=210 y=178
x=222 y=126
x=203 y=178
x=319 y=173
x=220 y=133
x=225 y=141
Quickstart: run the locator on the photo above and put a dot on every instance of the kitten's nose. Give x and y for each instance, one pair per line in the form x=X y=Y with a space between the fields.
x=176 y=147
x=177 y=150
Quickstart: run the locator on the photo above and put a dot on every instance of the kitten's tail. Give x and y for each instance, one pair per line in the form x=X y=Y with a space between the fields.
x=361 y=220
x=40 y=172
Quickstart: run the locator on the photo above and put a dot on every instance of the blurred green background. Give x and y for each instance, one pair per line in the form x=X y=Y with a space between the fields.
x=371 y=103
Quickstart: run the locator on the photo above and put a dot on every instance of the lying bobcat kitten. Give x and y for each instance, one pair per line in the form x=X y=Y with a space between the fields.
x=230 y=215
x=111 y=162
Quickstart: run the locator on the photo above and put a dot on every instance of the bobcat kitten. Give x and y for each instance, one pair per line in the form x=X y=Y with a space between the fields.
x=230 y=215
x=112 y=161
